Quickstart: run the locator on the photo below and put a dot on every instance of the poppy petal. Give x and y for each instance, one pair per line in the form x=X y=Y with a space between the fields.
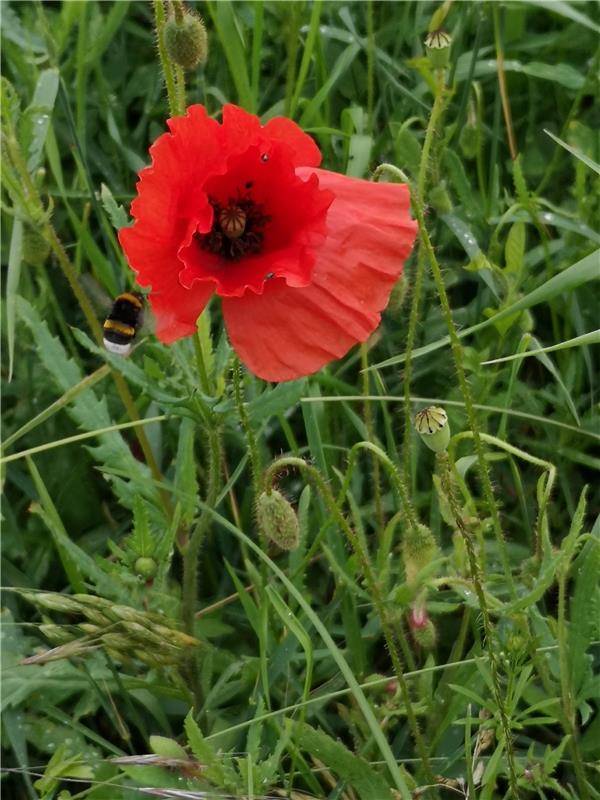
x=286 y=333
x=306 y=152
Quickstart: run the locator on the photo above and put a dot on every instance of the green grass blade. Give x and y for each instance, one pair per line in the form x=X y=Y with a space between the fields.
x=584 y=271
x=331 y=646
x=575 y=152
x=13 y=275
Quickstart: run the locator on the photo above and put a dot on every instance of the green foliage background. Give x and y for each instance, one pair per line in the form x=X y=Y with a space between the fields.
x=294 y=684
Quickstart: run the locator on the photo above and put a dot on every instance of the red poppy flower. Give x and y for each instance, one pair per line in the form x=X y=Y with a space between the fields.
x=303 y=259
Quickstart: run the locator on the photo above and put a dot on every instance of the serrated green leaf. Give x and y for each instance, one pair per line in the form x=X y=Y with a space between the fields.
x=276 y=401
x=116 y=213
x=141 y=540
x=514 y=250
x=90 y=413
x=186 y=481
x=215 y=768
x=344 y=764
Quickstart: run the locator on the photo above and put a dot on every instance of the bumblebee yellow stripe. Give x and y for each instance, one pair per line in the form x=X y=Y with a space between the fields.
x=119 y=327
x=130 y=298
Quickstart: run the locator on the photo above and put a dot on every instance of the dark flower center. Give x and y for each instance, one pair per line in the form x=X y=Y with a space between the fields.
x=237 y=229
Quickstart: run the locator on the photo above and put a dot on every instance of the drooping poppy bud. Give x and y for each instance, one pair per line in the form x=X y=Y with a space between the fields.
x=277 y=520
x=432 y=426
x=186 y=41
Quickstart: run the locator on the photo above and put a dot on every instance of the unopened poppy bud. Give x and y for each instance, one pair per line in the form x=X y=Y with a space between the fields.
x=35 y=248
x=277 y=520
x=432 y=426
x=422 y=628
x=439 y=199
x=398 y=295
x=146 y=567
x=418 y=549
x=468 y=141
x=186 y=41
x=437 y=47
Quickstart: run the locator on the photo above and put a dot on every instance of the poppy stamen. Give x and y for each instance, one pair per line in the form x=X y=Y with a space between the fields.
x=237 y=230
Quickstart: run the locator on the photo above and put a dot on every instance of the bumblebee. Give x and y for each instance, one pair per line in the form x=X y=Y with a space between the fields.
x=123 y=322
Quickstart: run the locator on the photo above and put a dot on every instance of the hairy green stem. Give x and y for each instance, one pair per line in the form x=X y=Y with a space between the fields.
x=191 y=551
x=432 y=125
x=542 y=522
x=446 y=468
x=167 y=67
x=570 y=722
x=458 y=356
x=253 y=451
x=368 y=416
x=373 y=585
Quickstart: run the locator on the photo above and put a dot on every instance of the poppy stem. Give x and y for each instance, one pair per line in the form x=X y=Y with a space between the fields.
x=368 y=415
x=484 y=475
x=419 y=197
x=167 y=67
x=191 y=553
x=375 y=590
x=253 y=451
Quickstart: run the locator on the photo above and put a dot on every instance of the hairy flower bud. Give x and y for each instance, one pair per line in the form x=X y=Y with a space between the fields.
x=277 y=520
x=426 y=635
x=437 y=47
x=418 y=549
x=145 y=567
x=186 y=41
x=432 y=426
x=439 y=199
x=35 y=248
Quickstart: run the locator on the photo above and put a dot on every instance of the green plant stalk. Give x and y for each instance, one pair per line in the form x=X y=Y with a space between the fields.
x=201 y=364
x=542 y=521
x=167 y=67
x=191 y=551
x=399 y=487
x=373 y=585
x=570 y=723
x=457 y=353
x=446 y=467
x=368 y=416
x=291 y=57
x=258 y=482
x=370 y=64
x=512 y=145
x=432 y=125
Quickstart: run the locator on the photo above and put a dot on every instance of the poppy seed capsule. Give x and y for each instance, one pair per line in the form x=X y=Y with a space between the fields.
x=233 y=221
x=437 y=47
x=432 y=426
x=186 y=41
x=277 y=520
